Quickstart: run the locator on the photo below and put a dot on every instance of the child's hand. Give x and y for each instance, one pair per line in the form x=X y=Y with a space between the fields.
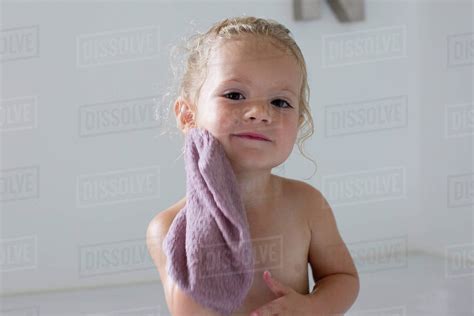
x=289 y=302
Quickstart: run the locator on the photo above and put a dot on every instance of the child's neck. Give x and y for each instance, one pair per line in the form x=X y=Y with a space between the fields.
x=256 y=186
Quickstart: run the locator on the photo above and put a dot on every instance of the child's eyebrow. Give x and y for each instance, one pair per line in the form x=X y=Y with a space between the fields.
x=243 y=80
x=284 y=86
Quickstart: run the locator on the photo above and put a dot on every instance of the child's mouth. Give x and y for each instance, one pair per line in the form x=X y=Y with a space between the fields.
x=252 y=138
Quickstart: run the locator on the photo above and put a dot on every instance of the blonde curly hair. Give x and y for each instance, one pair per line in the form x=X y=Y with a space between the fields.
x=190 y=72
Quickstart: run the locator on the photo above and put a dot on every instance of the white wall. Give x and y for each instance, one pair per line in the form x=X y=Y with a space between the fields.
x=447 y=128
x=57 y=227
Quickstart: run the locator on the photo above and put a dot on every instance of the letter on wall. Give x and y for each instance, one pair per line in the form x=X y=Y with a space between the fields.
x=345 y=10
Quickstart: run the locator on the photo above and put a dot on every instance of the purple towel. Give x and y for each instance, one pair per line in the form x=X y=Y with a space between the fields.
x=208 y=244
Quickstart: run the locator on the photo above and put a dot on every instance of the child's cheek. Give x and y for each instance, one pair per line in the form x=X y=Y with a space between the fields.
x=219 y=119
x=225 y=118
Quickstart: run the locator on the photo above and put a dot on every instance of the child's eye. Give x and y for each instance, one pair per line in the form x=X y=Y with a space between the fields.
x=232 y=93
x=288 y=106
x=237 y=93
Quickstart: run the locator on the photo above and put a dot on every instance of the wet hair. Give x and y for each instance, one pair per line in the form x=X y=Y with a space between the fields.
x=190 y=71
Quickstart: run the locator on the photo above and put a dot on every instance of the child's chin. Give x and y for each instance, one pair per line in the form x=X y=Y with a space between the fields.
x=251 y=164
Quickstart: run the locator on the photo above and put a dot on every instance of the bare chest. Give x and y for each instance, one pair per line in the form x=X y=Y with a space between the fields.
x=280 y=241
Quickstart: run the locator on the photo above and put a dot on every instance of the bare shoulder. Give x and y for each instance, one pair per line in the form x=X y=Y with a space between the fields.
x=160 y=223
x=155 y=234
x=304 y=193
x=162 y=220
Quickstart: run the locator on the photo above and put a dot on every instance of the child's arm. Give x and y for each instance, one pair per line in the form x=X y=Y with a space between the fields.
x=179 y=304
x=155 y=233
x=334 y=272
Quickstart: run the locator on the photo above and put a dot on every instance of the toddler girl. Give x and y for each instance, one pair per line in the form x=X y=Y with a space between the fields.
x=245 y=82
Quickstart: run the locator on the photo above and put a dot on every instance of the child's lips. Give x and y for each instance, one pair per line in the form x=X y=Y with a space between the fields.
x=252 y=138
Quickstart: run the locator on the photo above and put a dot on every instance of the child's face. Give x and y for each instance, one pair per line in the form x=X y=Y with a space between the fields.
x=264 y=77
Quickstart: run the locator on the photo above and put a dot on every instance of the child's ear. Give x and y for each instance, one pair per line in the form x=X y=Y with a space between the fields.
x=184 y=114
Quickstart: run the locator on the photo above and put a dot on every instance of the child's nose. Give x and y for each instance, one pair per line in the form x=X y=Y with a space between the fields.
x=258 y=110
